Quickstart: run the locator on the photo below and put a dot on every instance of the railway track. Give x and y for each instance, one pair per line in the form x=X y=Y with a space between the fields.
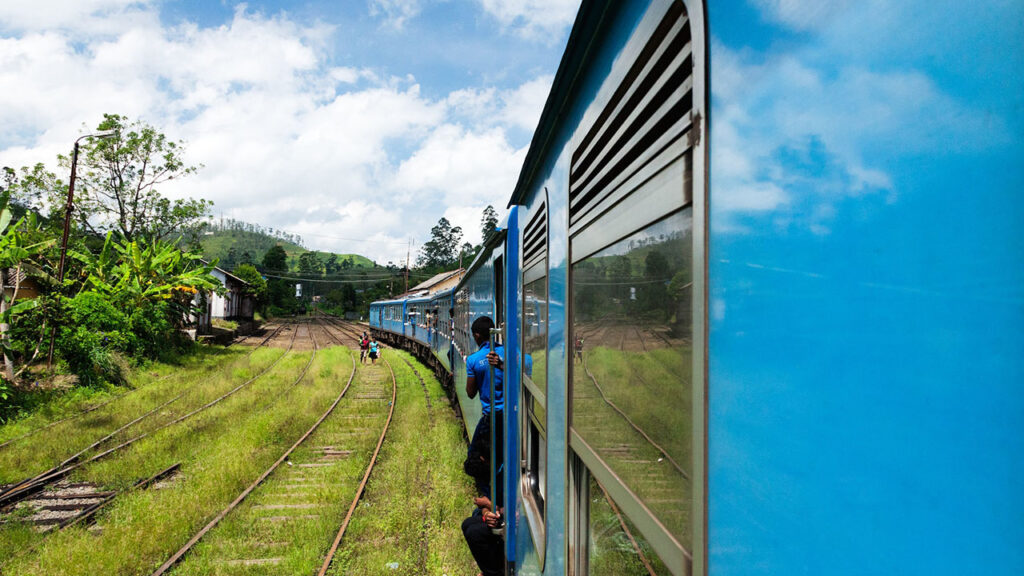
x=630 y=448
x=188 y=546
x=296 y=493
x=11 y=495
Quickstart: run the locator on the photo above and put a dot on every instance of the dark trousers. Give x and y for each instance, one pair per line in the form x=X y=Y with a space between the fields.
x=488 y=549
x=478 y=457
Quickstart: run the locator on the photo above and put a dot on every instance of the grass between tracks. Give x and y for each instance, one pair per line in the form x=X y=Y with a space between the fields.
x=221 y=451
x=151 y=387
x=409 y=522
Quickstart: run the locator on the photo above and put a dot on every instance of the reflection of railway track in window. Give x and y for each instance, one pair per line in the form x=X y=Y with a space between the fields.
x=629 y=420
x=32 y=485
x=629 y=533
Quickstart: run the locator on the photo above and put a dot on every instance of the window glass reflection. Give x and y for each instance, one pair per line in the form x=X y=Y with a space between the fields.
x=632 y=357
x=615 y=546
x=535 y=331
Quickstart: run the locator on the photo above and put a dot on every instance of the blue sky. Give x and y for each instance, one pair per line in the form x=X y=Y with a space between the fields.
x=355 y=124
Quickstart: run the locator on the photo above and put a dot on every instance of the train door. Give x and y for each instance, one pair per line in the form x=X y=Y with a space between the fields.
x=533 y=489
x=636 y=252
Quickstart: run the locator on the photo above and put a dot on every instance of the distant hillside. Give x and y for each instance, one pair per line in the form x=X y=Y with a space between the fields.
x=233 y=242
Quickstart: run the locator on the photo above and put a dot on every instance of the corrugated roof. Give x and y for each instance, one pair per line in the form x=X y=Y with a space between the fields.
x=436 y=279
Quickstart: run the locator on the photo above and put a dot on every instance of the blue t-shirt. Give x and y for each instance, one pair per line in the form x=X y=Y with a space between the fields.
x=478 y=367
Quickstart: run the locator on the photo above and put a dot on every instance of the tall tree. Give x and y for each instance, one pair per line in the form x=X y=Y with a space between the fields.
x=276 y=259
x=488 y=223
x=442 y=250
x=118 y=179
x=309 y=263
x=331 y=266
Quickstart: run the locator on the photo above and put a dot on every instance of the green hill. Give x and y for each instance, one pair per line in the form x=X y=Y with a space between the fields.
x=232 y=242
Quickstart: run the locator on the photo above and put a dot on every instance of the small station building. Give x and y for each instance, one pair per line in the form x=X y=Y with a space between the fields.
x=234 y=304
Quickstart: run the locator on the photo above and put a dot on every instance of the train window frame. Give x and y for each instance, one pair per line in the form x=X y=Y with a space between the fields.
x=624 y=203
x=533 y=433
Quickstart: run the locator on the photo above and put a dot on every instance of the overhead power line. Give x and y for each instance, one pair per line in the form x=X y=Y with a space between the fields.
x=329 y=281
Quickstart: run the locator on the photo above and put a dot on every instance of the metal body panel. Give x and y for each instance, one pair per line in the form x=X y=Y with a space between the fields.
x=415 y=309
x=395 y=308
x=609 y=29
x=478 y=288
x=867 y=288
x=441 y=336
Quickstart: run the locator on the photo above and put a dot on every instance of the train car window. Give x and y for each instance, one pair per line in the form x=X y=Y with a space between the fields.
x=633 y=264
x=462 y=323
x=499 y=291
x=632 y=365
x=534 y=394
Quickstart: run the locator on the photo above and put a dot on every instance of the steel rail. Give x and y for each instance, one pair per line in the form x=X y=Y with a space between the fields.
x=31 y=485
x=631 y=423
x=88 y=514
x=629 y=533
x=177 y=556
x=366 y=477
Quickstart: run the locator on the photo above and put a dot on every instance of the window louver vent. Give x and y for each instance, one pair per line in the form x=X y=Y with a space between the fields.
x=535 y=238
x=648 y=113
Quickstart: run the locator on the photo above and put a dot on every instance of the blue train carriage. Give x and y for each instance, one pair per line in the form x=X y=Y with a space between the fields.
x=387 y=321
x=612 y=226
x=484 y=291
x=784 y=295
x=441 y=329
x=417 y=311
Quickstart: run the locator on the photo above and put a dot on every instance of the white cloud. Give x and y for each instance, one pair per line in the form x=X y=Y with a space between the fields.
x=91 y=17
x=517 y=108
x=535 y=19
x=466 y=170
x=395 y=12
x=792 y=133
x=802 y=14
x=354 y=160
x=524 y=104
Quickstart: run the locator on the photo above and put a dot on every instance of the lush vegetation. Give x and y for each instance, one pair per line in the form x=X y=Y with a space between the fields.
x=123 y=290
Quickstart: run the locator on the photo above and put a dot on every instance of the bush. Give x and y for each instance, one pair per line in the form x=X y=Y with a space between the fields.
x=154 y=332
x=94 y=338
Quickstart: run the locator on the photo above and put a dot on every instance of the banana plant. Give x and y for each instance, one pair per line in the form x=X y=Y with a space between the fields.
x=131 y=272
x=16 y=257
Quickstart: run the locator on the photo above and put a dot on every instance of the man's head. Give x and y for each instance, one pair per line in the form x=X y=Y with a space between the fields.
x=481 y=329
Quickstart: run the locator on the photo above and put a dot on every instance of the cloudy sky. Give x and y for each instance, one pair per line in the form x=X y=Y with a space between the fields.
x=354 y=123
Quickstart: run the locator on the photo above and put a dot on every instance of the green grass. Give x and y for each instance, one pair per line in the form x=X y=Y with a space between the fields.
x=298 y=545
x=221 y=451
x=200 y=383
x=411 y=513
x=653 y=389
x=46 y=406
x=418 y=496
